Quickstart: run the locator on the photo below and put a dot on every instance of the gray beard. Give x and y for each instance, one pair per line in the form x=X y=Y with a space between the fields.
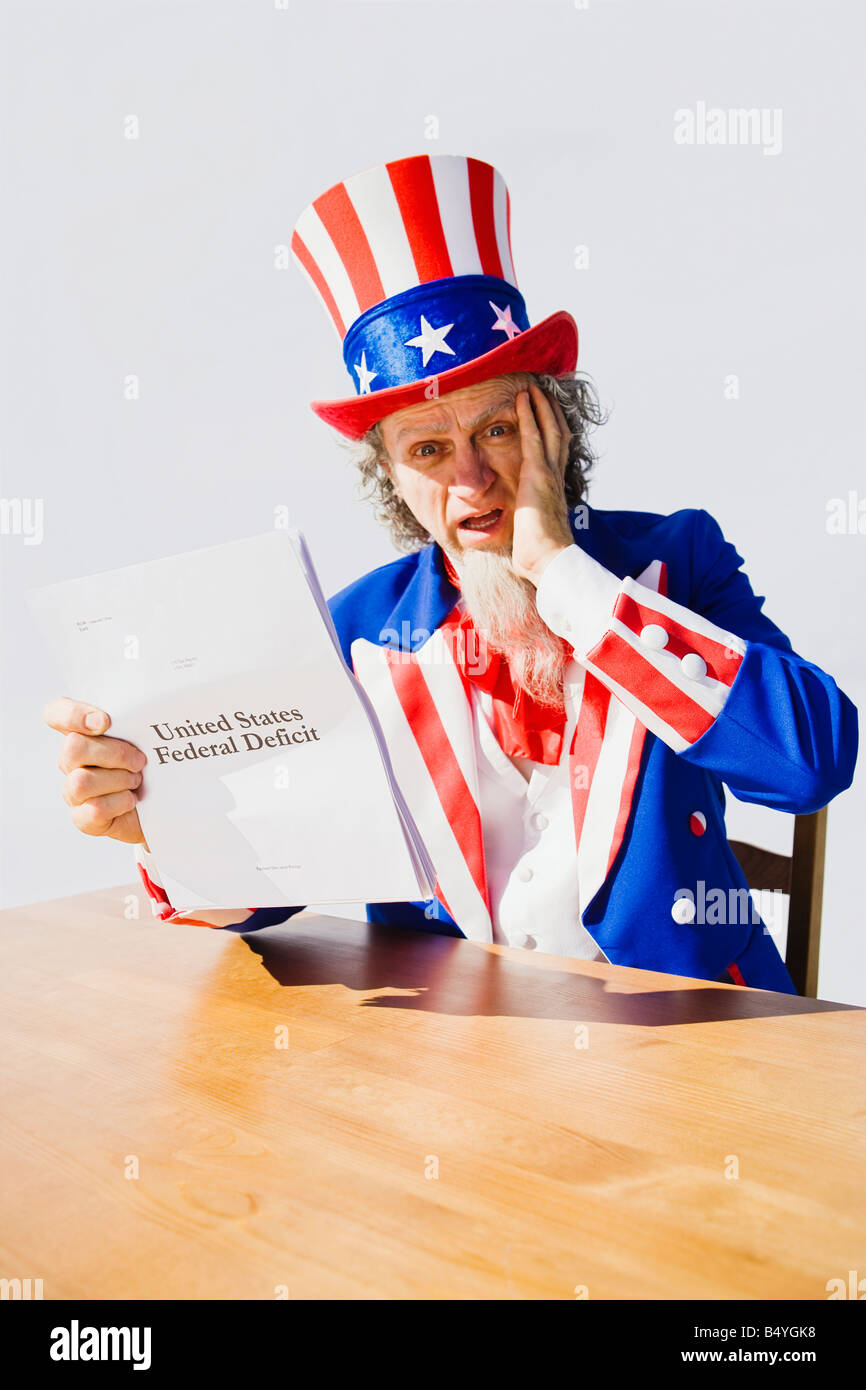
x=502 y=607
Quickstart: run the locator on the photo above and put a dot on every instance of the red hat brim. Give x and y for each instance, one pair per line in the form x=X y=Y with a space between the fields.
x=549 y=347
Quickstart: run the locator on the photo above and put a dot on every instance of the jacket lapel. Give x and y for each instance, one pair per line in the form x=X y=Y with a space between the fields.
x=604 y=762
x=426 y=716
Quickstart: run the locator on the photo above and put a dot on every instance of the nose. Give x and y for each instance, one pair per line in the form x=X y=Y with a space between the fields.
x=471 y=476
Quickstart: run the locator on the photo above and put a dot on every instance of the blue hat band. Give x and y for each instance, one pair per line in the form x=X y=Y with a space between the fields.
x=431 y=328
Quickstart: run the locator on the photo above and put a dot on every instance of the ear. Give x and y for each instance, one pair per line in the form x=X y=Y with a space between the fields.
x=388 y=467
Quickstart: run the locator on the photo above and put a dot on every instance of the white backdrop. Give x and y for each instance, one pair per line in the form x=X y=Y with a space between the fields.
x=157 y=155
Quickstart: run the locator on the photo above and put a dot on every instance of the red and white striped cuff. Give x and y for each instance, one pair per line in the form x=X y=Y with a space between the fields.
x=197 y=917
x=671 y=667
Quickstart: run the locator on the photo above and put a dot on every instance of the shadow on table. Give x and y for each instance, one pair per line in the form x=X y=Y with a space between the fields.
x=446 y=975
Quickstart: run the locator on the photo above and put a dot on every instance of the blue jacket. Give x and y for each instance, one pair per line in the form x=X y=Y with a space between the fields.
x=785 y=737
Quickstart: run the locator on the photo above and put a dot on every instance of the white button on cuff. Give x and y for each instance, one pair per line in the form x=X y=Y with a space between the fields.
x=524 y=873
x=694 y=666
x=683 y=911
x=654 y=637
x=518 y=938
x=529 y=943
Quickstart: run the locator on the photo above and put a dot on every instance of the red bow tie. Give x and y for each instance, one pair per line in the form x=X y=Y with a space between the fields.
x=524 y=727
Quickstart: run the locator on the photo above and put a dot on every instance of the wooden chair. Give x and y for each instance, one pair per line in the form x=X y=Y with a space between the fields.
x=801 y=876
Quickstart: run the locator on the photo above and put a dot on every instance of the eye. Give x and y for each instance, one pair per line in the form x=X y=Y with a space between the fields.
x=418 y=452
x=498 y=427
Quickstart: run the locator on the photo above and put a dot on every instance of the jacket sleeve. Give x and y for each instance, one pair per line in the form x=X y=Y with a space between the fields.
x=238 y=919
x=716 y=680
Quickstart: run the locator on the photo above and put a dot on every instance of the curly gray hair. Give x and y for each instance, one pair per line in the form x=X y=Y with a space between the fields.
x=579 y=400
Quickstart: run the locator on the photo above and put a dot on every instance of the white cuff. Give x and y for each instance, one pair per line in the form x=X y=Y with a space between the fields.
x=575 y=598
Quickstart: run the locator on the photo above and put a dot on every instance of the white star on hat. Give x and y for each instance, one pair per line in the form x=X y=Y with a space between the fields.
x=504 y=322
x=431 y=340
x=365 y=376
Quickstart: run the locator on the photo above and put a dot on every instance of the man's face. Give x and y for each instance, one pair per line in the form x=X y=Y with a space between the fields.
x=456 y=461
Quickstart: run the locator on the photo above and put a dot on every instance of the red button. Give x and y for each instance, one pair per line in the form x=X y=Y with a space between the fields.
x=697 y=822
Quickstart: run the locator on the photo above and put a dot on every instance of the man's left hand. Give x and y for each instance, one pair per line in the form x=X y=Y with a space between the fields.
x=541 y=528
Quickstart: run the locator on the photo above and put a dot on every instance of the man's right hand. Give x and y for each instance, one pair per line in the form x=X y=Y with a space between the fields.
x=102 y=773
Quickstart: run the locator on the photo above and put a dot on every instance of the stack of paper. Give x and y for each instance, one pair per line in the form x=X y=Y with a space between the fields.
x=268 y=782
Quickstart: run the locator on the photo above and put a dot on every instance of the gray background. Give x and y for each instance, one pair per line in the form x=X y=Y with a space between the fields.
x=156 y=256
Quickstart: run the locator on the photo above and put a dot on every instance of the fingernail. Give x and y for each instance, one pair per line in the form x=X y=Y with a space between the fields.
x=93 y=720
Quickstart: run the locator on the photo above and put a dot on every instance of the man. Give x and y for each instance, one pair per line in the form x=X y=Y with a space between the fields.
x=563 y=691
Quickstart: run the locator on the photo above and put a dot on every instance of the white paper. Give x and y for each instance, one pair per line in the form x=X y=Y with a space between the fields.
x=292 y=810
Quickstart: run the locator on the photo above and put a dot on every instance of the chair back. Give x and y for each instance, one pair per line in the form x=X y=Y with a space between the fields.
x=801 y=876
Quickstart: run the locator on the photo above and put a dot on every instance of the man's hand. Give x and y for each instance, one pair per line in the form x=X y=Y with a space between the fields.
x=102 y=773
x=541 y=528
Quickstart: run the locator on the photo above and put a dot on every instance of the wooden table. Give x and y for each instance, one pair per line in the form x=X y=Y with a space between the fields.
x=331 y=1110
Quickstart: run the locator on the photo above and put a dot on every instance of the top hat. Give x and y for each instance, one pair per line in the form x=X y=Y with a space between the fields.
x=412 y=261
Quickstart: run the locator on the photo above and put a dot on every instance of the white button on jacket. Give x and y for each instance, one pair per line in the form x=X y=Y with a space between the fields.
x=683 y=911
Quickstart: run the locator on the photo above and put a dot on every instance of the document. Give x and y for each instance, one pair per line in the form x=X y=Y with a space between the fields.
x=268 y=781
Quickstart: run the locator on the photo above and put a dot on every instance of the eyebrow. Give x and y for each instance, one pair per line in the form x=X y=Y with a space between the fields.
x=440 y=428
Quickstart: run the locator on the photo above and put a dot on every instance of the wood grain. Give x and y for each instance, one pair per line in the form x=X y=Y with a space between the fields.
x=584 y=1120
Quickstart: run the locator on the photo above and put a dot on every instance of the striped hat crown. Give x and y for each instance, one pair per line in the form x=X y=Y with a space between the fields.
x=412 y=261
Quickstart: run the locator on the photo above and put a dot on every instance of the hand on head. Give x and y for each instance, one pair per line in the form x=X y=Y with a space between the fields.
x=541 y=525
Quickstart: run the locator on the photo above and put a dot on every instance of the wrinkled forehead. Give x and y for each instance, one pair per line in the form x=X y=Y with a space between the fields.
x=464 y=407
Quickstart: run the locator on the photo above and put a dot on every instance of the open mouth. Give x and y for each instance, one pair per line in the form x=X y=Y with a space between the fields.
x=484 y=521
